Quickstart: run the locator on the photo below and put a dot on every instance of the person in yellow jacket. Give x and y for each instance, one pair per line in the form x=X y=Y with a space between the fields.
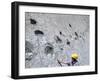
x=74 y=58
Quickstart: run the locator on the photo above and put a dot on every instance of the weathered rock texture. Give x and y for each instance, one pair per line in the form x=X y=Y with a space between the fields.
x=50 y=39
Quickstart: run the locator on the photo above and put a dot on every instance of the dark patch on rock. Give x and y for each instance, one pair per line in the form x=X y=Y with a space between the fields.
x=70 y=25
x=28 y=47
x=49 y=44
x=76 y=38
x=33 y=21
x=68 y=42
x=58 y=40
x=82 y=38
x=49 y=49
x=61 y=48
x=29 y=58
x=27 y=50
x=38 y=32
x=76 y=34
x=60 y=33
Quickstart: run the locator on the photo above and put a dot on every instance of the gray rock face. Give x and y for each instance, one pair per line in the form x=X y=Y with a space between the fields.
x=50 y=39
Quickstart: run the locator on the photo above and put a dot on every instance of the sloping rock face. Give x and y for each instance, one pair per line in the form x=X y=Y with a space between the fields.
x=50 y=39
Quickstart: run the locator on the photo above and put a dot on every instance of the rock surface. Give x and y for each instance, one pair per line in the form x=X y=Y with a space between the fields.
x=61 y=35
